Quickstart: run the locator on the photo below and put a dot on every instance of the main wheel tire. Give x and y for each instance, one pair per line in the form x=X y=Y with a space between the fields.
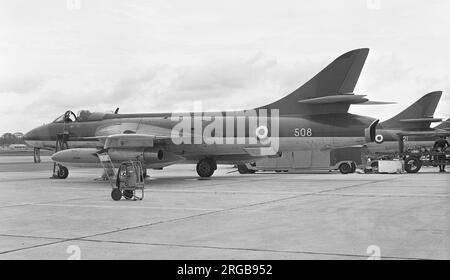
x=412 y=164
x=345 y=168
x=242 y=169
x=116 y=194
x=63 y=172
x=128 y=194
x=206 y=167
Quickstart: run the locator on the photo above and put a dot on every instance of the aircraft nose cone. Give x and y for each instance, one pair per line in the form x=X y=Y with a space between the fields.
x=27 y=136
x=36 y=136
x=30 y=136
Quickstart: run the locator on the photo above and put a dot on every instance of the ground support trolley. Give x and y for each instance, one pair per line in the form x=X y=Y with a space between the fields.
x=128 y=182
x=414 y=159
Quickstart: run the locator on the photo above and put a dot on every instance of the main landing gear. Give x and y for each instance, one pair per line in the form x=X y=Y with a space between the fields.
x=206 y=167
x=347 y=167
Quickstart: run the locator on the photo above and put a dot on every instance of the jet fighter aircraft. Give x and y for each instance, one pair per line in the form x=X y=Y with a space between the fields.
x=416 y=118
x=314 y=116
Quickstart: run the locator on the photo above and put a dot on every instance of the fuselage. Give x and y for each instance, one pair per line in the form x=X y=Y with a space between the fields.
x=284 y=133
x=387 y=141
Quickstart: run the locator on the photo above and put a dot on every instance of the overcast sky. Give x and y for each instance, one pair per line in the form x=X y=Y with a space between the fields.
x=161 y=56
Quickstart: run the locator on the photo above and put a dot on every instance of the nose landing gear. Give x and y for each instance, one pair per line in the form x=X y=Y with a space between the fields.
x=59 y=171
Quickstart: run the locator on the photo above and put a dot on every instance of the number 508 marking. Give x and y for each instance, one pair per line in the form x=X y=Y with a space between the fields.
x=303 y=132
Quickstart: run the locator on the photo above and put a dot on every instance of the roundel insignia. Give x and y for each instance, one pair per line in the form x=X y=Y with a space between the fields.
x=379 y=139
x=262 y=132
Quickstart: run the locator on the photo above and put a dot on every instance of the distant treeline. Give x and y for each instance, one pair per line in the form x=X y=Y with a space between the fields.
x=11 y=138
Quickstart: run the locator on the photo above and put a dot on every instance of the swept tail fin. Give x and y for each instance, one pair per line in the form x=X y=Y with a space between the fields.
x=330 y=91
x=418 y=116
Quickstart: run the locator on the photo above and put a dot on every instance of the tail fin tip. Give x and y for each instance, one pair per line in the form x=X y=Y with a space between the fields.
x=417 y=114
x=337 y=78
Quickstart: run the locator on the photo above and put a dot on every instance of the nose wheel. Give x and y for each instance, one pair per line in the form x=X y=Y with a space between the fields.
x=206 y=167
x=63 y=172
x=60 y=172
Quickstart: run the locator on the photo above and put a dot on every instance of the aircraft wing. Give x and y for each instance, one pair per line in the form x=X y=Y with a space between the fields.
x=128 y=140
x=130 y=135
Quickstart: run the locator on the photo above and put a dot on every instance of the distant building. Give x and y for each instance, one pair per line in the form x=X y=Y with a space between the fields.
x=18 y=135
x=18 y=147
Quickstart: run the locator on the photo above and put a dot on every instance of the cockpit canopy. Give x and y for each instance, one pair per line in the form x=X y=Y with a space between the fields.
x=82 y=116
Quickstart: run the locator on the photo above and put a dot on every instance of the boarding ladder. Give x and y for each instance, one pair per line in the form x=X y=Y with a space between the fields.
x=108 y=166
